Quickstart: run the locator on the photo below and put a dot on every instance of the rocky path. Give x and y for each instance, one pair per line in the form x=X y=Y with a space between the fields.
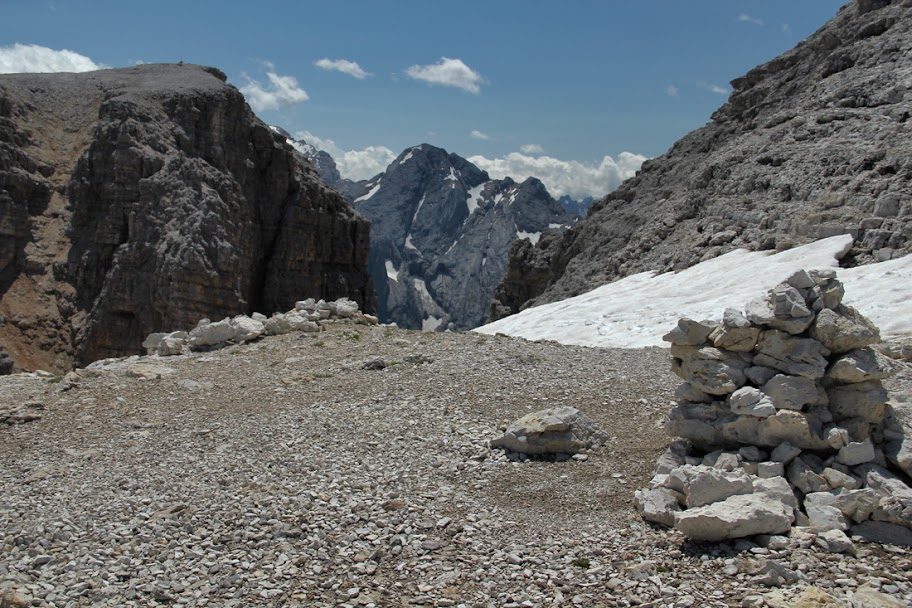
x=350 y=468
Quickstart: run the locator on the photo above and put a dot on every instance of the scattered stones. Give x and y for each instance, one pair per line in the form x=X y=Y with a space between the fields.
x=29 y=411
x=304 y=317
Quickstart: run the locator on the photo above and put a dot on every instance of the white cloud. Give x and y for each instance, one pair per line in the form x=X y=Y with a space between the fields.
x=352 y=164
x=342 y=65
x=282 y=91
x=476 y=134
x=671 y=90
x=531 y=149
x=20 y=58
x=564 y=177
x=714 y=88
x=745 y=18
x=449 y=73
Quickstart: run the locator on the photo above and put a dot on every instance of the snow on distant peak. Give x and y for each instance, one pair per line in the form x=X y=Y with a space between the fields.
x=638 y=310
x=472 y=200
x=532 y=236
x=407 y=157
x=391 y=271
x=372 y=192
x=452 y=176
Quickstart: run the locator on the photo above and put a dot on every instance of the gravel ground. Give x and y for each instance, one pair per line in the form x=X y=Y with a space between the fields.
x=298 y=471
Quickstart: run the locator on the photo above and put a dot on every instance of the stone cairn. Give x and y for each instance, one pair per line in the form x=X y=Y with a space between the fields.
x=785 y=422
x=306 y=316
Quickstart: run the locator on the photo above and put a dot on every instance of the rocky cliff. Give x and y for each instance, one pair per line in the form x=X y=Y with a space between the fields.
x=440 y=233
x=141 y=199
x=809 y=145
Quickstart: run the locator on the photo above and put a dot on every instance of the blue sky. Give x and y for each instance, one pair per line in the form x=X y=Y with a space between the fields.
x=516 y=85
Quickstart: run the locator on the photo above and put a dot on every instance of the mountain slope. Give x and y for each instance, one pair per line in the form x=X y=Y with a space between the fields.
x=440 y=233
x=141 y=199
x=810 y=145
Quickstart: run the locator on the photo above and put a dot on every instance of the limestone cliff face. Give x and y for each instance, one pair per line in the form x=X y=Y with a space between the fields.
x=143 y=199
x=812 y=144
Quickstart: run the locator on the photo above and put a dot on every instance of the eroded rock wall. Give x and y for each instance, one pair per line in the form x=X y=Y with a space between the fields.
x=150 y=197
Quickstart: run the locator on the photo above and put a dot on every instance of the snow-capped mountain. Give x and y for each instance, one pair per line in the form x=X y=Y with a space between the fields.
x=441 y=230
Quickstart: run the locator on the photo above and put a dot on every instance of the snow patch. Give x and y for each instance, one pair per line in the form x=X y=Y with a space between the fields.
x=372 y=192
x=553 y=226
x=431 y=323
x=391 y=271
x=638 y=310
x=472 y=200
x=452 y=176
x=532 y=236
x=418 y=208
x=409 y=244
x=407 y=157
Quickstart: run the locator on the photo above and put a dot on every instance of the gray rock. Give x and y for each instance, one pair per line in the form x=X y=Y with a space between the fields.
x=703 y=485
x=736 y=517
x=899 y=452
x=246 y=329
x=776 y=311
x=883 y=533
x=690 y=332
x=856 y=453
x=805 y=478
x=708 y=369
x=843 y=329
x=822 y=512
x=749 y=401
x=656 y=506
x=735 y=333
x=864 y=400
x=794 y=356
x=790 y=392
x=557 y=430
x=835 y=541
x=860 y=365
x=211 y=334
x=784 y=453
x=759 y=375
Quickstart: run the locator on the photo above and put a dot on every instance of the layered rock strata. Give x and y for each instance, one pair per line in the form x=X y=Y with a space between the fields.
x=138 y=199
x=786 y=423
x=808 y=146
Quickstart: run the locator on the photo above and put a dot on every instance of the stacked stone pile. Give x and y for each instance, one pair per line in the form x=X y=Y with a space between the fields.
x=306 y=316
x=786 y=423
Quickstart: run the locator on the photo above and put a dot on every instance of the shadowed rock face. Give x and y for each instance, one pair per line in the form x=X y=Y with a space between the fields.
x=809 y=145
x=142 y=199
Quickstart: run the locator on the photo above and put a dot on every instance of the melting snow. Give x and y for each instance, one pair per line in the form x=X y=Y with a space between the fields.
x=532 y=236
x=407 y=157
x=452 y=176
x=552 y=226
x=409 y=244
x=431 y=323
x=391 y=271
x=638 y=310
x=472 y=200
x=497 y=198
x=372 y=192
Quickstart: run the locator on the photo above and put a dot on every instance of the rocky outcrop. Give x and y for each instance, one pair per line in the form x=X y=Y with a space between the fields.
x=561 y=431
x=786 y=422
x=809 y=145
x=138 y=199
x=440 y=233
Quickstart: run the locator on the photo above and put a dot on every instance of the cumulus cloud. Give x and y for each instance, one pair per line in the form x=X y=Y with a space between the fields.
x=352 y=164
x=20 y=58
x=449 y=73
x=745 y=18
x=280 y=92
x=562 y=176
x=671 y=90
x=714 y=88
x=531 y=149
x=342 y=65
x=476 y=134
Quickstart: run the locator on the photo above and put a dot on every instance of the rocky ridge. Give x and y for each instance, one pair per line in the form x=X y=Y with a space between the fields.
x=286 y=471
x=440 y=233
x=808 y=146
x=149 y=197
